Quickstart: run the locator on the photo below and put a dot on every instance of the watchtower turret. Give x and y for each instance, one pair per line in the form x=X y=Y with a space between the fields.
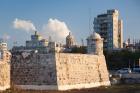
x=95 y=44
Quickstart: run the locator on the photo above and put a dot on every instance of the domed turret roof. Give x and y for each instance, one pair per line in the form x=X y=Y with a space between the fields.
x=94 y=36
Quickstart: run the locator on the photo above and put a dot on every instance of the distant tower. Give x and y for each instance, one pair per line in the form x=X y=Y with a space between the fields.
x=36 y=37
x=69 y=40
x=95 y=44
x=5 y=57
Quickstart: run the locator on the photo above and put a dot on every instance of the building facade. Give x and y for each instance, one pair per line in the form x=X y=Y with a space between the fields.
x=5 y=58
x=36 y=41
x=40 y=44
x=120 y=34
x=110 y=28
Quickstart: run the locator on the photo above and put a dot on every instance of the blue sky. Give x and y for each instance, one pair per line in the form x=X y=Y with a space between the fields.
x=75 y=14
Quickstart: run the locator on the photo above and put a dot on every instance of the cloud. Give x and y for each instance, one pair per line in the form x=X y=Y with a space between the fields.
x=26 y=25
x=57 y=29
x=6 y=37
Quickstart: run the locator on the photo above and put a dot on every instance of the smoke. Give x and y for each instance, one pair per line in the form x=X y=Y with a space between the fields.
x=6 y=37
x=26 y=25
x=57 y=29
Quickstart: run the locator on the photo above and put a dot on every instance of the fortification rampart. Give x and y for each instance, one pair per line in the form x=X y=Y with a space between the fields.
x=5 y=70
x=81 y=71
x=4 y=76
x=60 y=71
x=34 y=69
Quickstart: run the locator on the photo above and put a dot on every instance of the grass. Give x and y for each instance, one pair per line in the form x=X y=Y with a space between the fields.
x=112 y=89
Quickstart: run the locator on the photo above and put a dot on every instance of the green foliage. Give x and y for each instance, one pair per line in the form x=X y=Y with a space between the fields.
x=81 y=49
x=121 y=59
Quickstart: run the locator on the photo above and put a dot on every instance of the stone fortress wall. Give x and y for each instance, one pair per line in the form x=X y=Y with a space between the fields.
x=4 y=75
x=81 y=71
x=5 y=57
x=33 y=69
x=59 y=71
x=53 y=68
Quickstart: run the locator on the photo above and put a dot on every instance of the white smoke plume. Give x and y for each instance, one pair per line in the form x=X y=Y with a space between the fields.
x=57 y=29
x=26 y=25
x=6 y=37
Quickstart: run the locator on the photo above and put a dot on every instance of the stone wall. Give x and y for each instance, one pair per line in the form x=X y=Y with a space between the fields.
x=4 y=76
x=60 y=71
x=5 y=71
x=81 y=71
x=34 y=69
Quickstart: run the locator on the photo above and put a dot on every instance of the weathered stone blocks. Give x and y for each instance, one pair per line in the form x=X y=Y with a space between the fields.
x=5 y=70
x=60 y=71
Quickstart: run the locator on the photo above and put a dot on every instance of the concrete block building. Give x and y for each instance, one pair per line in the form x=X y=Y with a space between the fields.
x=110 y=27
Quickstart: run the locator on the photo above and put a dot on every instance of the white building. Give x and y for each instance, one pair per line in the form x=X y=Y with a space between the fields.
x=39 y=44
x=110 y=28
x=36 y=41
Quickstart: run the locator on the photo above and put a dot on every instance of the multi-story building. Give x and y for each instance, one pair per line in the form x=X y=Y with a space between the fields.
x=39 y=44
x=110 y=28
